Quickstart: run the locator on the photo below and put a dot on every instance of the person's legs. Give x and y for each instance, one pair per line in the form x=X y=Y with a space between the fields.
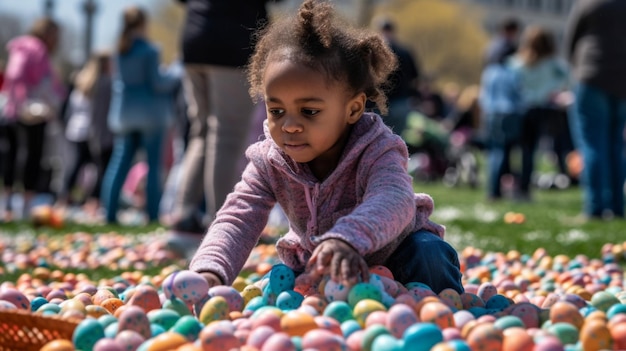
x=426 y=258
x=124 y=148
x=230 y=115
x=152 y=142
x=531 y=129
x=616 y=162
x=35 y=137
x=82 y=157
x=591 y=128
x=8 y=157
x=188 y=196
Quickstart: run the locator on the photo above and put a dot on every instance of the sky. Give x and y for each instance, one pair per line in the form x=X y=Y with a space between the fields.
x=69 y=13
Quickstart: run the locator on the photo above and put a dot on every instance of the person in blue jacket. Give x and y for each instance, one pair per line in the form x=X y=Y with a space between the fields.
x=141 y=109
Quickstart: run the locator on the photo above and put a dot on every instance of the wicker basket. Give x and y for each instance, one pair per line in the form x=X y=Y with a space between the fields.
x=21 y=330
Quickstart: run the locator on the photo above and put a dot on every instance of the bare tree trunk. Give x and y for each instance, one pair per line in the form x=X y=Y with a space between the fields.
x=364 y=12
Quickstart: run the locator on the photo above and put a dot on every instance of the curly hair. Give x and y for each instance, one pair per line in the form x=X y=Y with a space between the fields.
x=314 y=38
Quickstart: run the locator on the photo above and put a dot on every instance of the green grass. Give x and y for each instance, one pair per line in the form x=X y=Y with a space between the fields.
x=550 y=222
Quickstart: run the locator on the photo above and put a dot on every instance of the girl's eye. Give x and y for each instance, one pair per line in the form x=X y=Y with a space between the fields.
x=309 y=112
x=276 y=111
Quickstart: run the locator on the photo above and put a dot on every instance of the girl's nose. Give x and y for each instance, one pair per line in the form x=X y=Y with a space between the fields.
x=291 y=125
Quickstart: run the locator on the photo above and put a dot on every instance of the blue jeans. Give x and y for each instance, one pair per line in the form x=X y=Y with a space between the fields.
x=503 y=133
x=424 y=257
x=125 y=146
x=597 y=121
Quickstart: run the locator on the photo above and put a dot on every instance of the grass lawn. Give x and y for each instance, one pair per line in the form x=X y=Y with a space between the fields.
x=550 y=222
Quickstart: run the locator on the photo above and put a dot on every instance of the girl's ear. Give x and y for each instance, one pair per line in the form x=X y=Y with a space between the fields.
x=356 y=107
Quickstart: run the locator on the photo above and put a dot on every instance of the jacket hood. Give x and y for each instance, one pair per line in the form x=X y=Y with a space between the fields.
x=27 y=43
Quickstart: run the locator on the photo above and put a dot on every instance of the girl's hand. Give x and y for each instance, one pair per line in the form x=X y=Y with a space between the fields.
x=341 y=260
x=212 y=279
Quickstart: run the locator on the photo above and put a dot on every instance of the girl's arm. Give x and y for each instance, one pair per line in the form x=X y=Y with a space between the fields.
x=236 y=228
x=160 y=82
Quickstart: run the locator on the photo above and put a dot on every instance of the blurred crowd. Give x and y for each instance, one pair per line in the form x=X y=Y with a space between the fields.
x=167 y=141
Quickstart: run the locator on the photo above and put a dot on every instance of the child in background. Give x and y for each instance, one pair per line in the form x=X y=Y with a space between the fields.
x=337 y=171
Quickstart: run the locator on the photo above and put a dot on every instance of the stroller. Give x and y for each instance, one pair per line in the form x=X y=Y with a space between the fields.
x=440 y=153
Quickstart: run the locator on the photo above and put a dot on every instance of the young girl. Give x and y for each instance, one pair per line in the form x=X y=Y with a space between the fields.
x=338 y=172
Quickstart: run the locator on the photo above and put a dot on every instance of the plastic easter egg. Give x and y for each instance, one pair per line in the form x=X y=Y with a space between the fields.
x=330 y=324
x=111 y=304
x=603 y=300
x=217 y=338
x=186 y=285
x=259 y=335
x=134 y=318
x=566 y=332
x=296 y=323
x=231 y=295
x=484 y=336
x=381 y=271
x=250 y=292
x=102 y=294
x=177 y=305
x=422 y=336
x=146 y=297
x=471 y=300
x=438 y=313
x=37 y=302
x=335 y=291
x=565 y=312
x=619 y=308
x=111 y=330
x=509 y=321
x=376 y=317
x=339 y=310
x=498 y=302
x=364 y=291
x=548 y=343
x=350 y=326
x=527 y=312
x=214 y=310
x=187 y=326
x=15 y=297
x=322 y=339
x=58 y=345
x=462 y=317
x=281 y=278
x=166 y=341
x=370 y=334
x=387 y=342
x=289 y=300
x=107 y=344
x=269 y=316
x=364 y=307
x=399 y=318
x=576 y=300
x=279 y=342
x=517 y=339
x=451 y=298
x=86 y=334
x=317 y=302
x=96 y=311
x=618 y=335
x=163 y=317
x=595 y=335
x=486 y=291
x=129 y=339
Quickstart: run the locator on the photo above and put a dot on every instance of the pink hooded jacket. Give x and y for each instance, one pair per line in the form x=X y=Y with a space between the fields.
x=28 y=64
x=367 y=201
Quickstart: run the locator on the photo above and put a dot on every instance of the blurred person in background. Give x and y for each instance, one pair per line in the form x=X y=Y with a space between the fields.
x=33 y=95
x=141 y=109
x=543 y=76
x=217 y=40
x=501 y=108
x=595 y=46
x=87 y=129
x=403 y=81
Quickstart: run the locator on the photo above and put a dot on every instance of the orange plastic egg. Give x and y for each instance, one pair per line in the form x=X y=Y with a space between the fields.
x=166 y=341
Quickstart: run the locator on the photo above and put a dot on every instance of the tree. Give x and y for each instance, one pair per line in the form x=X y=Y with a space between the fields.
x=447 y=37
x=165 y=28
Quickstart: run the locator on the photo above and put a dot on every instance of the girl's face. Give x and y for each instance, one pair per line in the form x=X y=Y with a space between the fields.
x=308 y=116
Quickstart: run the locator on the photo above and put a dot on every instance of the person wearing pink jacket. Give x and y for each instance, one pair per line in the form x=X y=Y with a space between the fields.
x=337 y=171
x=29 y=74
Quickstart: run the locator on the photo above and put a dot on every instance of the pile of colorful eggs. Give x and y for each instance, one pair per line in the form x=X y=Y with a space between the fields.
x=511 y=302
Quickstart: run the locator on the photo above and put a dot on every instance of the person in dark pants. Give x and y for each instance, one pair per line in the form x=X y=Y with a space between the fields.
x=595 y=46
